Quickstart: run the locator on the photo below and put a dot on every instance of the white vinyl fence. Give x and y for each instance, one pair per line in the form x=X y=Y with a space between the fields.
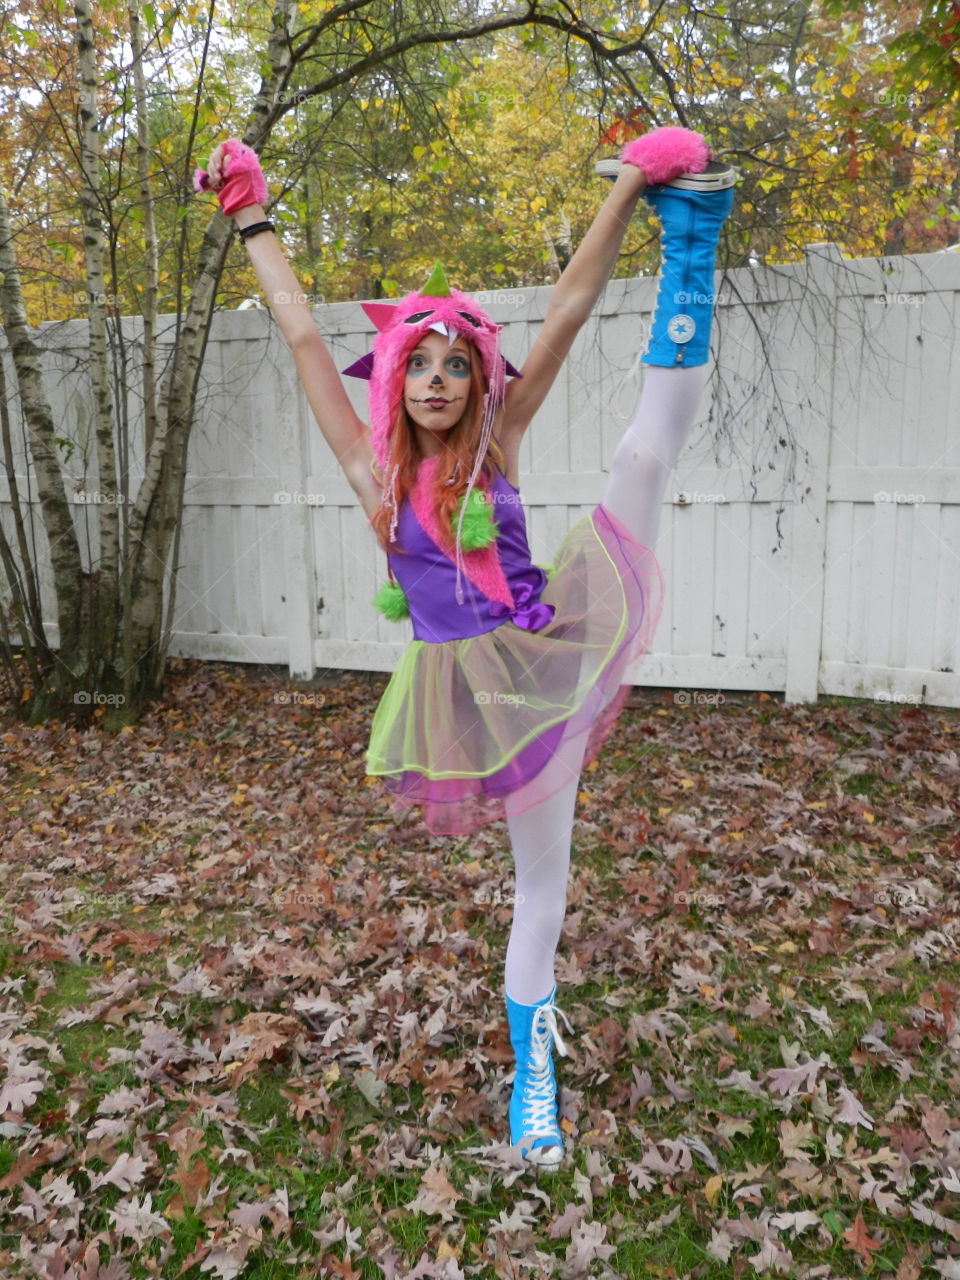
x=810 y=540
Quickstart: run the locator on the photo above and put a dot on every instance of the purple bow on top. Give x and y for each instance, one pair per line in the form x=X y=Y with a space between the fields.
x=529 y=616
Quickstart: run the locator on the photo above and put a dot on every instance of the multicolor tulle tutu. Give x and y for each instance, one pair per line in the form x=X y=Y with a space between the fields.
x=470 y=728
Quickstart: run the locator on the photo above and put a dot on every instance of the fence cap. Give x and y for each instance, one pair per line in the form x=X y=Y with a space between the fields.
x=824 y=249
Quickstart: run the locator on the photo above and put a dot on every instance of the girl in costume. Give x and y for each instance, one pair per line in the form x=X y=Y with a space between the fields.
x=513 y=678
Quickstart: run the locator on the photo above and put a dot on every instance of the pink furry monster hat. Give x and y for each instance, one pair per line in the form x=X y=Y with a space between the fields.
x=400 y=326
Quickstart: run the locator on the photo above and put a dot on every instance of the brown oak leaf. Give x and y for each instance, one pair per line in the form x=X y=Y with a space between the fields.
x=856 y=1238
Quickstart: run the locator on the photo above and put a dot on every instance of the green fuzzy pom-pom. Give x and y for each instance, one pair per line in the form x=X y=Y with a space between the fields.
x=391 y=602
x=479 y=526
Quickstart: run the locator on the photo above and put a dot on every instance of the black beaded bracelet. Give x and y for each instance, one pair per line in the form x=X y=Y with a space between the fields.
x=254 y=229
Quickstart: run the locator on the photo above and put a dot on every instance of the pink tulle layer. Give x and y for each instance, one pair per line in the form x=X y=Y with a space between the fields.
x=476 y=729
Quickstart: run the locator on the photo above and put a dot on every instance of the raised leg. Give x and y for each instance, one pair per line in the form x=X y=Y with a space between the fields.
x=676 y=356
x=644 y=459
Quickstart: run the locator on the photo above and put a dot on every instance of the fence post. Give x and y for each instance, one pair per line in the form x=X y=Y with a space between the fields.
x=818 y=317
x=299 y=578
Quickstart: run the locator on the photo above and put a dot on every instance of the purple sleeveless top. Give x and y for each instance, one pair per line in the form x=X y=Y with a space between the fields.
x=428 y=576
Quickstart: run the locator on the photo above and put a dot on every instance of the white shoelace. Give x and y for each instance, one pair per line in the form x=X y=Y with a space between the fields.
x=628 y=387
x=539 y=1096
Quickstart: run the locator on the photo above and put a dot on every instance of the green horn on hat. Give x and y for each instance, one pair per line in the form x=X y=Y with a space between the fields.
x=435 y=285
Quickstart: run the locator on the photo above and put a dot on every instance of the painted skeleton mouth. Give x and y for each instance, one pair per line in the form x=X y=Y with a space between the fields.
x=435 y=402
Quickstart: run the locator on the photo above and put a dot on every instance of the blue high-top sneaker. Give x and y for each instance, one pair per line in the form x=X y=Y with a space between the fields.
x=690 y=222
x=533 y=1103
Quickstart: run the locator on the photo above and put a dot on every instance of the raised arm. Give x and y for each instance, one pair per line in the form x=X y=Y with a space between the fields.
x=655 y=157
x=573 y=298
x=343 y=430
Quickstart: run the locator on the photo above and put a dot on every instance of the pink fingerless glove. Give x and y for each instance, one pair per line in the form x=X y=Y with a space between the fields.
x=663 y=154
x=243 y=182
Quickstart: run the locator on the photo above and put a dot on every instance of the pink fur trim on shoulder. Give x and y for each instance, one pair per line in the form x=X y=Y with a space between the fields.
x=665 y=153
x=482 y=566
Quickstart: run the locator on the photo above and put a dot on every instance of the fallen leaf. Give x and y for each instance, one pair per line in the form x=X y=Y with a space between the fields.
x=856 y=1238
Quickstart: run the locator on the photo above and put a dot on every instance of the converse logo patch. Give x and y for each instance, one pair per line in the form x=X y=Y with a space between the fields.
x=681 y=328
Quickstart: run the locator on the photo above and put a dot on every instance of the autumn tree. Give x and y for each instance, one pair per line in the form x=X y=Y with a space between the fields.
x=496 y=171
x=125 y=188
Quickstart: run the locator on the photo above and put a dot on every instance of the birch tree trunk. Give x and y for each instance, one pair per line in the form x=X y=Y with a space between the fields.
x=149 y=315
x=70 y=581
x=110 y=501
x=156 y=514
x=19 y=565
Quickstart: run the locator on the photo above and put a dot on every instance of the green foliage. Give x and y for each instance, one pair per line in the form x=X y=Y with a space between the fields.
x=925 y=52
x=481 y=153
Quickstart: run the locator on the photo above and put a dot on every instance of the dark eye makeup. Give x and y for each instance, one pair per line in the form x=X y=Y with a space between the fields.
x=422 y=315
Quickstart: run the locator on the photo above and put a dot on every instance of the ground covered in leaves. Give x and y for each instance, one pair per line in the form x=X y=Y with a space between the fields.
x=251 y=1021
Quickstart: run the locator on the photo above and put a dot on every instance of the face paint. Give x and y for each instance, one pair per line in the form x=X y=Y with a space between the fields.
x=456 y=365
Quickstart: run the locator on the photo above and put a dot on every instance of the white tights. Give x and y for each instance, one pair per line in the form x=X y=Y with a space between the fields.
x=640 y=468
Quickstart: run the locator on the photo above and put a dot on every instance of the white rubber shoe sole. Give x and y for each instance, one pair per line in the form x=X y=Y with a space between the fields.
x=717 y=176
